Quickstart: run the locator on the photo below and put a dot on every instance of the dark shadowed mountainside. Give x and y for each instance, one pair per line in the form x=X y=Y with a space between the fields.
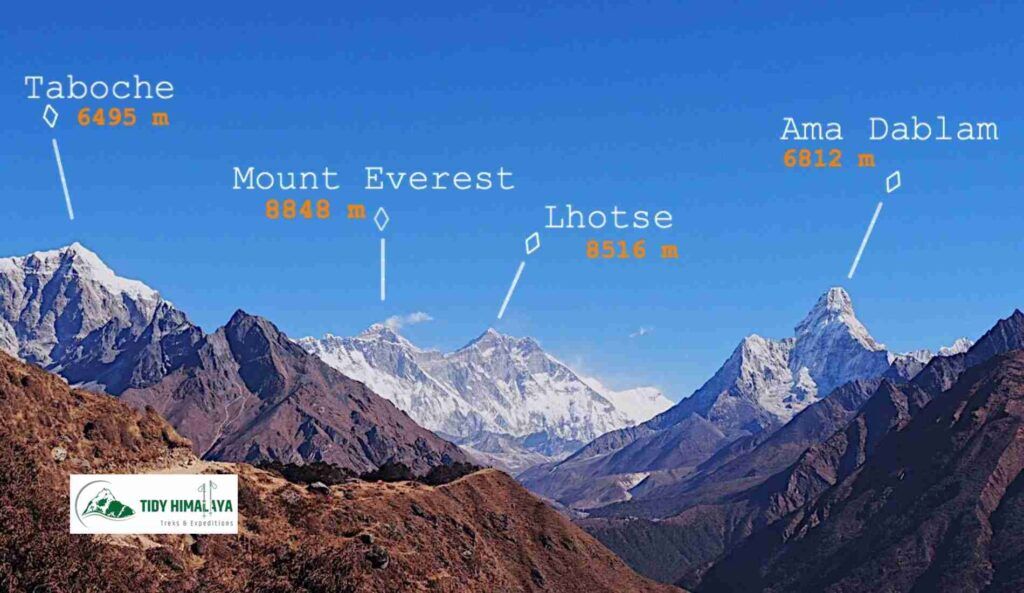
x=249 y=393
x=763 y=385
x=937 y=507
x=66 y=311
x=482 y=533
x=676 y=531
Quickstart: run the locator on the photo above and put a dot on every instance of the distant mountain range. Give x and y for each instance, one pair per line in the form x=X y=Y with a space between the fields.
x=759 y=389
x=873 y=484
x=247 y=392
x=922 y=491
x=502 y=398
x=817 y=462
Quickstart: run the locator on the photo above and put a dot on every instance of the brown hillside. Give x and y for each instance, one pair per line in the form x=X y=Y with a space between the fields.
x=250 y=393
x=482 y=533
x=937 y=507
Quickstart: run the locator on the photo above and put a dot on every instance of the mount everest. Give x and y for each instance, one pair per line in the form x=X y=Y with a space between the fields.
x=244 y=392
x=502 y=398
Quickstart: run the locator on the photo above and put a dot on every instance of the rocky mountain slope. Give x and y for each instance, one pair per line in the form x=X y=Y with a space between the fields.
x=937 y=507
x=482 y=533
x=689 y=524
x=66 y=311
x=250 y=393
x=759 y=388
x=244 y=392
x=672 y=529
x=640 y=404
x=501 y=397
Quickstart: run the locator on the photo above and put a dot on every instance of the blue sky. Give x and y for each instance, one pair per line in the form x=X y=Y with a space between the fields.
x=642 y=105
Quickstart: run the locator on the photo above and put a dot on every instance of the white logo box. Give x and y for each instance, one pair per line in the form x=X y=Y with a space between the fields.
x=154 y=503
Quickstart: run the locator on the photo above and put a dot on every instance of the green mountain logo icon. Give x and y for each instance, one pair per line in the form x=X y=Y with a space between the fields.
x=105 y=505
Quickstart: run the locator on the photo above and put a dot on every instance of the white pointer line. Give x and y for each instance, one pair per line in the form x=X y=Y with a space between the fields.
x=63 y=181
x=383 y=276
x=511 y=289
x=864 y=242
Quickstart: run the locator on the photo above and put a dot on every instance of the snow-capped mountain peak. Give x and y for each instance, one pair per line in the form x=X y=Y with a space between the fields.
x=493 y=345
x=67 y=311
x=491 y=338
x=923 y=356
x=834 y=313
x=766 y=381
x=959 y=346
x=834 y=345
x=83 y=262
x=380 y=331
x=639 y=403
x=494 y=385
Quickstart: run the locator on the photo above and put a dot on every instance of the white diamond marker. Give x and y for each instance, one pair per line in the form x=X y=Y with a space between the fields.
x=50 y=115
x=381 y=218
x=893 y=182
x=532 y=243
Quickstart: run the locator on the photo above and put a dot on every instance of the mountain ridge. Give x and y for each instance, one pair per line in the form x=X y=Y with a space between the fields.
x=695 y=521
x=495 y=391
x=478 y=534
x=250 y=393
x=67 y=311
x=922 y=510
x=760 y=387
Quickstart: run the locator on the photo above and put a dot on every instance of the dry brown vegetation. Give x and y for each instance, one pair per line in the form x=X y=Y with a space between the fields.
x=482 y=532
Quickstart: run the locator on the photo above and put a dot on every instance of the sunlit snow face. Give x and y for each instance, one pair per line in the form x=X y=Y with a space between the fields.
x=495 y=383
